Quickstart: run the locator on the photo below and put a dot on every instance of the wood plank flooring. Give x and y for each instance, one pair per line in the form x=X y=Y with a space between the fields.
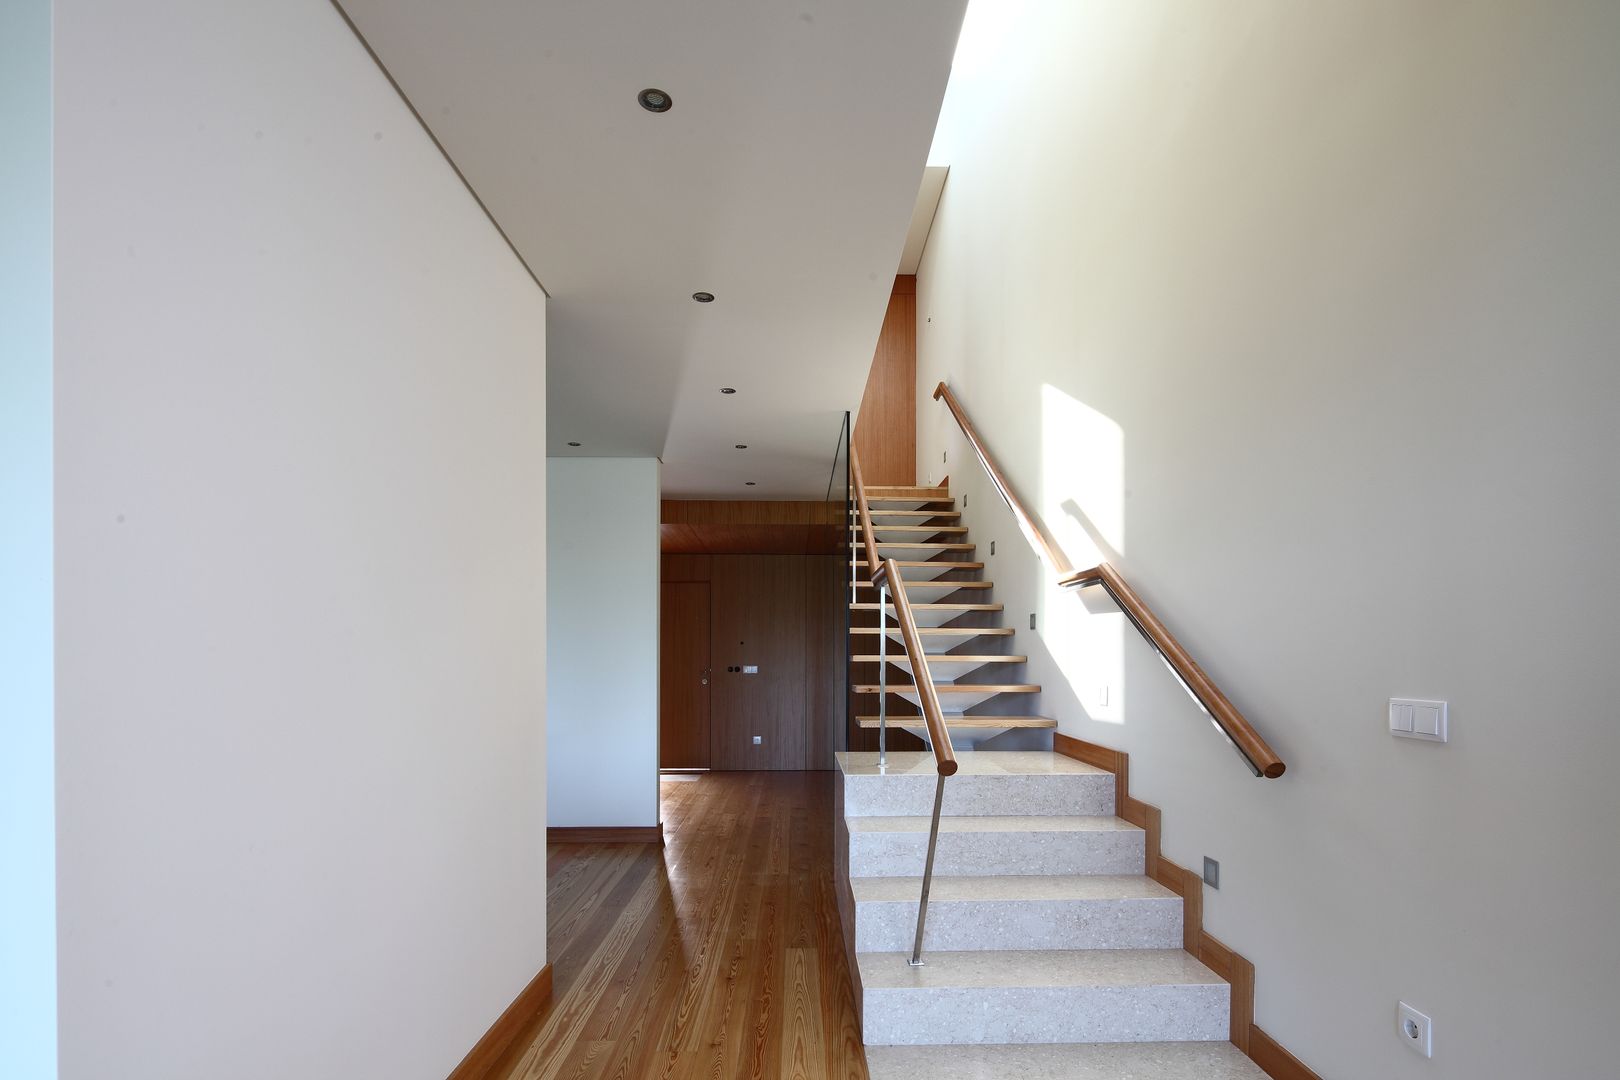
x=719 y=955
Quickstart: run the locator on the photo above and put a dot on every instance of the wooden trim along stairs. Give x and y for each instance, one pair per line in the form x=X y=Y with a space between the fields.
x=1248 y=1037
x=484 y=1059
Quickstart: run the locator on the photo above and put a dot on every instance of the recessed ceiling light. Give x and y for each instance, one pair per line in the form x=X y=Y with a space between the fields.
x=742 y=446
x=728 y=389
x=655 y=100
x=573 y=444
x=750 y=483
x=703 y=297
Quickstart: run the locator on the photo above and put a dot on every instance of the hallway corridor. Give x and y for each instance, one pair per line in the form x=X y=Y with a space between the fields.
x=718 y=955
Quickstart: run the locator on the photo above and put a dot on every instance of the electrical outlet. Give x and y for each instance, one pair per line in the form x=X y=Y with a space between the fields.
x=1416 y=1030
x=1212 y=873
x=759 y=740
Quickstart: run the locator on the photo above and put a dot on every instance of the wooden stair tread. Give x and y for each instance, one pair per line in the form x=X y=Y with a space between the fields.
x=957 y=688
x=904 y=491
x=914 y=545
x=948 y=658
x=874 y=605
x=941 y=631
x=929 y=562
x=918 y=514
x=934 y=585
x=925 y=529
x=967 y=721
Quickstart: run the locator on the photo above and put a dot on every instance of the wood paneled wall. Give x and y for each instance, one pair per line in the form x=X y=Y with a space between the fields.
x=807 y=527
x=886 y=427
x=784 y=613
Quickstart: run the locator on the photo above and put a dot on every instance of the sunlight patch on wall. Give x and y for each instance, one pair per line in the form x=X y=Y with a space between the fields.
x=1082 y=503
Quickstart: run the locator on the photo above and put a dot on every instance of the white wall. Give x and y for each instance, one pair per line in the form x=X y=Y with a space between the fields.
x=300 y=546
x=27 y=818
x=602 y=641
x=1305 y=315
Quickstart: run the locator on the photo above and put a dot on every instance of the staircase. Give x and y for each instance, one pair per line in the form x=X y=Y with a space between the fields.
x=1047 y=950
x=920 y=528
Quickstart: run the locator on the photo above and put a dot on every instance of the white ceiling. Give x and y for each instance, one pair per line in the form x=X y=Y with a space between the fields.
x=782 y=181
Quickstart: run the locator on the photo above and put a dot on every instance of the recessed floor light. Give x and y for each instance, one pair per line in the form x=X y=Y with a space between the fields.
x=728 y=389
x=573 y=444
x=742 y=446
x=655 y=100
x=703 y=297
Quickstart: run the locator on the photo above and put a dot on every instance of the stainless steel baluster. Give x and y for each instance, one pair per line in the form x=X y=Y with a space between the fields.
x=883 y=674
x=928 y=872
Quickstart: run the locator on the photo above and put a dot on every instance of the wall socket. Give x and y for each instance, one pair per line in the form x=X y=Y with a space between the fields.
x=1416 y=1030
x=1212 y=873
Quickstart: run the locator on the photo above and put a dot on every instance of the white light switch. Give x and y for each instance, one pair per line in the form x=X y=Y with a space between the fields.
x=750 y=669
x=1411 y=718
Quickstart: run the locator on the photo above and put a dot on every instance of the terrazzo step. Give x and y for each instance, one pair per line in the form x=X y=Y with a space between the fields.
x=1058 y=1061
x=1069 y=911
x=996 y=845
x=987 y=782
x=1088 y=996
x=933 y=614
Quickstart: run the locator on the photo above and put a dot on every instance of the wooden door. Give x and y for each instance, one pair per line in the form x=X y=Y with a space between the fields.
x=684 y=676
x=759 y=622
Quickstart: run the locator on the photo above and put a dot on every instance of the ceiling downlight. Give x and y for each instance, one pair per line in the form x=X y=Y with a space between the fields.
x=655 y=100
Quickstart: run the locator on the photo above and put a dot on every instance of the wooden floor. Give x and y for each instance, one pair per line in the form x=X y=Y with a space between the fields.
x=718 y=956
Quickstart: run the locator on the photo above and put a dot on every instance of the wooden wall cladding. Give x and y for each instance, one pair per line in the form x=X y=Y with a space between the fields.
x=689 y=526
x=886 y=427
x=785 y=614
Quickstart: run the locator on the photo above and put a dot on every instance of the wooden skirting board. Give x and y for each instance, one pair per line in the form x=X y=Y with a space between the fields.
x=1210 y=951
x=591 y=834
x=483 y=1059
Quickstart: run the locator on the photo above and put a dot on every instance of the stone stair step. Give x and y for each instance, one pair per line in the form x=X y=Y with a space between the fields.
x=1055 y=996
x=987 y=782
x=996 y=845
x=1044 y=911
x=1060 y=1061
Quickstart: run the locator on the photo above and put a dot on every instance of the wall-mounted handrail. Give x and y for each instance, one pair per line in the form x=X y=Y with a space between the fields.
x=1028 y=523
x=1260 y=757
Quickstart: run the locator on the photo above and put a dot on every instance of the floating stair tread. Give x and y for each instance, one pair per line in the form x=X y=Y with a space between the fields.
x=943 y=658
x=941 y=631
x=904 y=491
x=1037 y=968
x=873 y=606
x=965 y=722
x=926 y=530
x=948 y=888
x=957 y=688
x=920 y=824
x=903 y=563
x=968 y=762
x=1063 y=1061
x=918 y=545
x=934 y=584
x=917 y=513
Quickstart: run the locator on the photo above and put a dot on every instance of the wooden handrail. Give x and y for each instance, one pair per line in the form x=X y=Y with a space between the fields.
x=1254 y=750
x=887 y=572
x=933 y=715
x=873 y=567
x=1028 y=523
x=1260 y=756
